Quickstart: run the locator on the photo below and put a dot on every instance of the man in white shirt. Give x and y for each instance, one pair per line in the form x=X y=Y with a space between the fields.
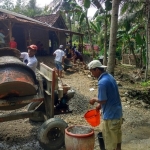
x=29 y=57
x=59 y=60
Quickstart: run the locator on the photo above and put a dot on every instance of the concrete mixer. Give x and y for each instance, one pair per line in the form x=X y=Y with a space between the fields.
x=41 y=91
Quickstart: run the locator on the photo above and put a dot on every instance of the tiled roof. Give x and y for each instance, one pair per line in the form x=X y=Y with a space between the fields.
x=6 y=15
x=50 y=19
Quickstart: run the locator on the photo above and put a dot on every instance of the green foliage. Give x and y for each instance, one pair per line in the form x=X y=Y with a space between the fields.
x=88 y=53
x=145 y=84
x=87 y=4
x=7 y=4
x=95 y=26
x=19 y=7
x=108 y=5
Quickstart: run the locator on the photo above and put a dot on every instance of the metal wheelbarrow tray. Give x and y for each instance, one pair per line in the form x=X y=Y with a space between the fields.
x=67 y=64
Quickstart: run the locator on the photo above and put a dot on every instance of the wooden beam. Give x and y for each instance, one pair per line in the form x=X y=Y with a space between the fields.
x=19 y=115
x=59 y=42
x=10 y=29
x=5 y=24
x=29 y=35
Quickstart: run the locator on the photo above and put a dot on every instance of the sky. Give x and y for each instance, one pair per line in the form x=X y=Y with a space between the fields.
x=42 y=3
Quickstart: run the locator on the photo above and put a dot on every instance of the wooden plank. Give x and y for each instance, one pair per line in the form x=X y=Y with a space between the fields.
x=20 y=100
x=19 y=115
x=49 y=106
x=44 y=76
x=49 y=74
x=46 y=71
x=47 y=92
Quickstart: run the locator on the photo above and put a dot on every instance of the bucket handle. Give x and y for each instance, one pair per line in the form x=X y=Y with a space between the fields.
x=89 y=108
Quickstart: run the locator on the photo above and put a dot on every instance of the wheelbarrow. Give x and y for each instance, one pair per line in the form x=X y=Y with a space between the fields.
x=67 y=64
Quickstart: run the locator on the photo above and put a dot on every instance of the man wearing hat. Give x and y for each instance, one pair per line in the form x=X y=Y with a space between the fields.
x=29 y=57
x=59 y=59
x=109 y=102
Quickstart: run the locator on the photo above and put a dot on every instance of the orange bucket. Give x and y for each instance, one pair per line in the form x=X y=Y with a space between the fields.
x=92 y=117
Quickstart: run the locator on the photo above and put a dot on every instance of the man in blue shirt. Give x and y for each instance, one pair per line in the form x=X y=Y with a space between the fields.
x=109 y=101
x=77 y=55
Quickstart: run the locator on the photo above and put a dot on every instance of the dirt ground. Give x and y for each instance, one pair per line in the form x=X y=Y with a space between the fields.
x=22 y=134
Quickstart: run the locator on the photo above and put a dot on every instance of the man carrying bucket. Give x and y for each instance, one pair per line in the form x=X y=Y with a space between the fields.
x=109 y=101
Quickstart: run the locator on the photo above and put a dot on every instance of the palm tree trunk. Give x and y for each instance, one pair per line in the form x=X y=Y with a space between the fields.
x=113 y=35
x=147 y=40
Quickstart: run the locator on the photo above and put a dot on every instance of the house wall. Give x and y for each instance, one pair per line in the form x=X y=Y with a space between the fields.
x=40 y=35
x=61 y=36
x=62 y=39
x=54 y=42
x=5 y=30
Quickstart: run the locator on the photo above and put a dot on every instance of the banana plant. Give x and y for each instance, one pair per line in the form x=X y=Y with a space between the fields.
x=103 y=13
x=83 y=16
x=69 y=8
x=138 y=12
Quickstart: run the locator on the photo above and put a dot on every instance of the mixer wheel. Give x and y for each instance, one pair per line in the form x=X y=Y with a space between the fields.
x=51 y=134
x=32 y=106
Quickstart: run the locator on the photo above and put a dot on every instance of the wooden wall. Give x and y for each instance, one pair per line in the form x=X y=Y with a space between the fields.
x=129 y=59
x=40 y=35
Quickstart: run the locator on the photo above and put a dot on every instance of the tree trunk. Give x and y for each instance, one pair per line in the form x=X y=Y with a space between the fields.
x=147 y=40
x=113 y=35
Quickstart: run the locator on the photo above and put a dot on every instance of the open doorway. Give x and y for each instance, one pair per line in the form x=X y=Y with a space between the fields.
x=18 y=34
x=53 y=42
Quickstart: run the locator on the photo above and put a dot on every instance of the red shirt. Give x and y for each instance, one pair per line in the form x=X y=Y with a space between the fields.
x=13 y=44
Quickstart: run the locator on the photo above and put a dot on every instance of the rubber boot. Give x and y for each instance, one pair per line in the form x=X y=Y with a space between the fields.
x=101 y=141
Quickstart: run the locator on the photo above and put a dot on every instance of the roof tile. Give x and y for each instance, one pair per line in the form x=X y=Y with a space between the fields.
x=49 y=19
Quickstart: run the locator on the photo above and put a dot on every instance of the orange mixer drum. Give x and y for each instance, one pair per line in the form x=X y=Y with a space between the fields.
x=16 y=79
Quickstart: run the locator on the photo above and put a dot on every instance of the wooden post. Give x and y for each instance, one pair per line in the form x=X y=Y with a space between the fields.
x=71 y=39
x=82 y=44
x=29 y=36
x=10 y=29
x=59 y=41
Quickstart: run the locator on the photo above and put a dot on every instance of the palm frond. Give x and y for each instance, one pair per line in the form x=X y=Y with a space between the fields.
x=130 y=17
x=131 y=6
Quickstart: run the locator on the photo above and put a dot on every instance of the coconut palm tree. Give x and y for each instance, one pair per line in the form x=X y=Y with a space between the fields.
x=113 y=35
x=137 y=12
x=31 y=9
x=104 y=14
x=7 y=4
